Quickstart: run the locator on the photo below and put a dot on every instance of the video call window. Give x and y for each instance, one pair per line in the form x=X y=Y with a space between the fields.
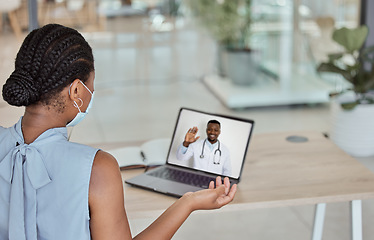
x=220 y=147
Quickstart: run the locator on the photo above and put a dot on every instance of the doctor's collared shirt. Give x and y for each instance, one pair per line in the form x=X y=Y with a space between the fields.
x=210 y=157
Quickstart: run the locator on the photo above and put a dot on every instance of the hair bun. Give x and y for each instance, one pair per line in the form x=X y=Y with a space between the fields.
x=19 y=90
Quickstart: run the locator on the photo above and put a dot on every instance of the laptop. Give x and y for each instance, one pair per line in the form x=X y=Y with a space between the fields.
x=191 y=168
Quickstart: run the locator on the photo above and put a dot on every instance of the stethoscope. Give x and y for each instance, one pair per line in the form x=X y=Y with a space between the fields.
x=214 y=157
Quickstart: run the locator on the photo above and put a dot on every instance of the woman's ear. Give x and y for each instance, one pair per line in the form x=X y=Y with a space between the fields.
x=74 y=90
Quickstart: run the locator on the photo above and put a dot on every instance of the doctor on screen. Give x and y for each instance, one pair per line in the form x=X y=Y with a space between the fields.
x=209 y=154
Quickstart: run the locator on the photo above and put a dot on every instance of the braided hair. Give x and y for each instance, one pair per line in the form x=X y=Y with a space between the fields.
x=50 y=59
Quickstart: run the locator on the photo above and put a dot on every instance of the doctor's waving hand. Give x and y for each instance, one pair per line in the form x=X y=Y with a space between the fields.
x=208 y=154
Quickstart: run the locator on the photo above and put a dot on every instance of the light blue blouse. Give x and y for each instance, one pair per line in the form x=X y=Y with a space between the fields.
x=44 y=186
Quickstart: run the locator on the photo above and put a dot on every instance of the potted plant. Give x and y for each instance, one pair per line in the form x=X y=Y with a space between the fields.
x=228 y=21
x=352 y=109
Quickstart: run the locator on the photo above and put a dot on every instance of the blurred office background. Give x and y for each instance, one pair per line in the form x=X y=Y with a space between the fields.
x=152 y=58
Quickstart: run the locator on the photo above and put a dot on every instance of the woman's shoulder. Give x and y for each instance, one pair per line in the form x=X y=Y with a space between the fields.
x=5 y=134
x=5 y=130
x=2 y=130
x=106 y=180
x=104 y=169
x=105 y=159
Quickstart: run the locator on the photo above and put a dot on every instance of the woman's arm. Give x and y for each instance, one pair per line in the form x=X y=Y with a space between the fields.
x=169 y=222
x=106 y=200
x=108 y=216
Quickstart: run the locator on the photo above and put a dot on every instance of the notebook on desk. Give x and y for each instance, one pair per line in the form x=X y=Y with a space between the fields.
x=220 y=148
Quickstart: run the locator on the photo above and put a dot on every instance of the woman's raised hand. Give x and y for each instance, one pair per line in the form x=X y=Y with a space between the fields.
x=214 y=197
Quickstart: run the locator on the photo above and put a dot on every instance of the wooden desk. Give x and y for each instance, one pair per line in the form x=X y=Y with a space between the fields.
x=279 y=173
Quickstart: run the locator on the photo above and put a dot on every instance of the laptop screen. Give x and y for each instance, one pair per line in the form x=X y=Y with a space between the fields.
x=216 y=143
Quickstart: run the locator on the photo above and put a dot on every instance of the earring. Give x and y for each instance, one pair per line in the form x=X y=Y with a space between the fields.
x=76 y=105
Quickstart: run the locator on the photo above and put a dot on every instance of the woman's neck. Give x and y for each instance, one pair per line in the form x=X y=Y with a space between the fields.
x=38 y=119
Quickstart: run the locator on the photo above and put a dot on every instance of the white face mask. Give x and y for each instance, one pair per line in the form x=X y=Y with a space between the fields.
x=81 y=115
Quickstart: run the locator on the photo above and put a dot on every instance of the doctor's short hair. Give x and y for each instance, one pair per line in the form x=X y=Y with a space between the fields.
x=215 y=122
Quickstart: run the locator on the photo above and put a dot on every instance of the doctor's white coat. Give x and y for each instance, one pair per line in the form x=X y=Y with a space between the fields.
x=207 y=162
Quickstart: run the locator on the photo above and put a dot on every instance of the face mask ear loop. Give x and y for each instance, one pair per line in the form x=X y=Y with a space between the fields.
x=69 y=88
x=86 y=87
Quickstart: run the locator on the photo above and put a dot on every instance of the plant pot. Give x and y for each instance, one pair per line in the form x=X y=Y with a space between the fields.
x=241 y=66
x=353 y=130
x=221 y=60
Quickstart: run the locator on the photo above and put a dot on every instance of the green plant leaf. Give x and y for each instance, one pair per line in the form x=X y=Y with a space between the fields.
x=335 y=56
x=228 y=21
x=370 y=83
x=349 y=106
x=368 y=54
x=351 y=39
x=329 y=67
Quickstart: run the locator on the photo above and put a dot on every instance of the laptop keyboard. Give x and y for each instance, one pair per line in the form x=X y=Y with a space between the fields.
x=183 y=177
